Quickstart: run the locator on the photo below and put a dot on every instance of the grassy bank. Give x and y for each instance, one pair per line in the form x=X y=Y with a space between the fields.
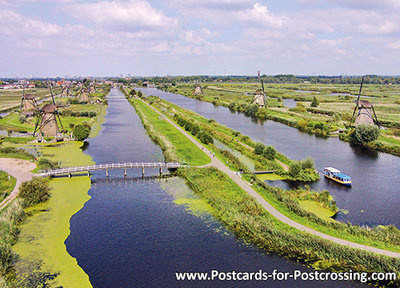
x=241 y=214
x=6 y=185
x=174 y=144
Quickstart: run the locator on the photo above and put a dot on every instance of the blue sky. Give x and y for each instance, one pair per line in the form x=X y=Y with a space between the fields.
x=216 y=37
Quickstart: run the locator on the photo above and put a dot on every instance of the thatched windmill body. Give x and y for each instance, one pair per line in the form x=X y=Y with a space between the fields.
x=364 y=112
x=259 y=96
x=65 y=90
x=197 y=90
x=48 y=122
x=28 y=103
x=84 y=96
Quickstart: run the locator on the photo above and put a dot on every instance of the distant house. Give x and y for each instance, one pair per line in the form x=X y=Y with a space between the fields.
x=31 y=85
x=147 y=84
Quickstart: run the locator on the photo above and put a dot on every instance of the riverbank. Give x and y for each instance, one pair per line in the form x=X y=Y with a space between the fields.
x=38 y=260
x=339 y=241
x=331 y=116
x=49 y=223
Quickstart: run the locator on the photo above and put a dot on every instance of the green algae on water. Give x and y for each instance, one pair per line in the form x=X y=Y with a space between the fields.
x=42 y=237
x=183 y=195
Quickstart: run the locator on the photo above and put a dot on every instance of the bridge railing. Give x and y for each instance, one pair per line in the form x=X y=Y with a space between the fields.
x=126 y=165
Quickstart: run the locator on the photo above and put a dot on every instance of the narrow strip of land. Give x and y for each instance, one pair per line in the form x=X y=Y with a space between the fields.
x=19 y=169
x=215 y=162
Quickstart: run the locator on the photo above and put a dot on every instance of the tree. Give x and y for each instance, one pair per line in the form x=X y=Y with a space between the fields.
x=34 y=191
x=365 y=133
x=308 y=163
x=269 y=152
x=295 y=169
x=140 y=94
x=314 y=102
x=81 y=132
x=133 y=92
x=259 y=148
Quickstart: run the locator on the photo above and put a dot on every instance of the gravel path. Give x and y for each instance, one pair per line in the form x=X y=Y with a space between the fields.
x=19 y=169
x=215 y=162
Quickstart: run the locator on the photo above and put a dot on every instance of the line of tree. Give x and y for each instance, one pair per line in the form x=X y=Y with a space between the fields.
x=194 y=129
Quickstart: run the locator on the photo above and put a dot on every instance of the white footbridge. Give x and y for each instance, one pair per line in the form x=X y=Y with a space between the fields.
x=69 y=171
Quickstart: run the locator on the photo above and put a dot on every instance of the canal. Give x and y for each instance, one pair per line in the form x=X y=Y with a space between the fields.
x=374 y=197
x=131 y=233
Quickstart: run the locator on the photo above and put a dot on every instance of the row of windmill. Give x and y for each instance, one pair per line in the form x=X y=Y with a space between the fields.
x=363 y=112
x=48 y=120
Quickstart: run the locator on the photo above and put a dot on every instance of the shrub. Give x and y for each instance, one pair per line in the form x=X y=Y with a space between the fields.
x=269 y=152
x=302 y=124
x=204 y=137
x=259 y=148
x=308 y=163
x=294 y=169
x=232 y=106
x=71 y=125
x=365 y=133
x=45 y=163
x=262 y=113
x=140 y=94
x=314 y=102
x=81 y=132
x=34 y=191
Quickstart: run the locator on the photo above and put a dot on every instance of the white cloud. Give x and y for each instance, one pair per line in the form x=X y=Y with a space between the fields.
x=131 y=15
x=259 y=14
x=13 y=23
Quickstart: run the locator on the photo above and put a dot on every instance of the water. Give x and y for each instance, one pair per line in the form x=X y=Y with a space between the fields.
x=289 y=103
x=374 y=197
x=131 y=234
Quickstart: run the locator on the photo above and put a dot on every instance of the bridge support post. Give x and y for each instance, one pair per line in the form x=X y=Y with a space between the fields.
x=160 y=171
x=88 y=173
x=69 y=175
x=125 y=172
x=107 y=173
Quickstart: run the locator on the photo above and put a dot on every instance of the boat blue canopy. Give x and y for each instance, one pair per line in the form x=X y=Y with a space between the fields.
x=343 y=176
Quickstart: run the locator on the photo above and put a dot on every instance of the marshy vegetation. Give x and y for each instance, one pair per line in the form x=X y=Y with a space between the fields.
x=241 y=214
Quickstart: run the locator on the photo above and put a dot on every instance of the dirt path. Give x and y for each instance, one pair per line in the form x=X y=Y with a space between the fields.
x=215 y=162
x=19 y=169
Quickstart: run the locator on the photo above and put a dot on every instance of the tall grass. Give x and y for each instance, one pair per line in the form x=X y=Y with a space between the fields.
x=241 y=214
x=9 y=219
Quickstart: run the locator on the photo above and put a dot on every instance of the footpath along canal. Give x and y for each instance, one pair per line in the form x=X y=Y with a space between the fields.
x=135 y=232
x=374 y=197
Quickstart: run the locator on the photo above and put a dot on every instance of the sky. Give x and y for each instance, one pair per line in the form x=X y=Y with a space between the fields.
x=48 y=38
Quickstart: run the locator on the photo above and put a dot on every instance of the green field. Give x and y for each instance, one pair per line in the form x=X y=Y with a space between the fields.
x=176 y=142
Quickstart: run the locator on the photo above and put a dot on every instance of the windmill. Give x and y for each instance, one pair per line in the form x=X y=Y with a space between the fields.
x=48 y=122
x=92 y=89
x=84 y=96
x=28 y=102
x=65 y=90
x=197 y=90
x=364 y=112
x=259 y=97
